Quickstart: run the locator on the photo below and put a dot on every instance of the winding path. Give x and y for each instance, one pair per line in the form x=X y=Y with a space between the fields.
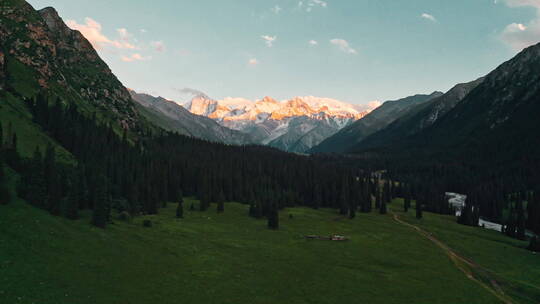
x=468 y=267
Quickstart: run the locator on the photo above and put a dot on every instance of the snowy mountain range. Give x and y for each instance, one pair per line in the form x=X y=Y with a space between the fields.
x=169 y=115
x=293 y=125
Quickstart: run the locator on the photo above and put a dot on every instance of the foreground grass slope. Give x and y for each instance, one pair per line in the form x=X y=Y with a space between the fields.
x=227 y=258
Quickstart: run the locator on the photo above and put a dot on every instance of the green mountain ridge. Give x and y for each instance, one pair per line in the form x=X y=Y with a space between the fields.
x=499 y=115
x=371 y=123
x=418 y=118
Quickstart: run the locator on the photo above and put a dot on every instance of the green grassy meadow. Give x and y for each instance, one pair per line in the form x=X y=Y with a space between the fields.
x=518 y=270
x=231 y=258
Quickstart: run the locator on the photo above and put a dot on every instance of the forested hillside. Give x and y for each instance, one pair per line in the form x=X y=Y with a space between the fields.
x=78 y=142
x=485 y=146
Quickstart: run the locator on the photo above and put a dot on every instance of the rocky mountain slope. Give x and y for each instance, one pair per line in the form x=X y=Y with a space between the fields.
x=41 y=54
x=377 y=120
x=294 y=125
x=171 y=116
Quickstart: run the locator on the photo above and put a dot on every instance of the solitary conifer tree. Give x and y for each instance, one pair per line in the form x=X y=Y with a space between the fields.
x=180 y=210
x=4 y=192
x=407 y=204
x=352 y=213
x=1 y=137
x=101 y=209
x=259 y=210
x=534 y=244
x=220 y=202
x=520 y=221
x=71 y=201
x=273 y=218
x=220 y=207
x=383 y=208
x=54 y=183
x=344 y=199
x=251 y=209
x=378 y=199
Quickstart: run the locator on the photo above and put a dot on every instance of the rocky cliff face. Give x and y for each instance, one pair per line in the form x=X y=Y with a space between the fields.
x=60 y=60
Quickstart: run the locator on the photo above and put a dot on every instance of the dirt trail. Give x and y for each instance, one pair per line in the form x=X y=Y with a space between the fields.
x=468 y=267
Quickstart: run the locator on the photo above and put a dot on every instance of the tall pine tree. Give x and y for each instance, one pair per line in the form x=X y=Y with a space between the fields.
x=101 y=208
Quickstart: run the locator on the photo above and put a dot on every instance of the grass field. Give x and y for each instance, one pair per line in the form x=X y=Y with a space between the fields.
x=231 y=258
x=517 y=270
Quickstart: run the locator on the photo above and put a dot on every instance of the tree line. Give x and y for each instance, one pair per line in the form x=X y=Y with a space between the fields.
x=141 y=174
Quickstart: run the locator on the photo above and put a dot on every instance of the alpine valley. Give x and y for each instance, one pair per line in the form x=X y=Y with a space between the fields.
x=110 y=195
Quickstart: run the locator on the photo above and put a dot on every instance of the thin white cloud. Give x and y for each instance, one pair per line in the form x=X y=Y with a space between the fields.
x=313 y=42
x=343 y=45
x=518 y=35
x=92 y=30
x=124 y=34
x=158 y=46
x=517 y=3
x=143 y=31
x=319 y=3
x=276 y=9
x=253 y=61
x=134 y=57
x=269 y=40
x=429 y=17
x=309 y=5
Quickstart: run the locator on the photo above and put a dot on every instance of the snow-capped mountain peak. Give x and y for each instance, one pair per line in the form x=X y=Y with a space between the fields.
x=282 y=124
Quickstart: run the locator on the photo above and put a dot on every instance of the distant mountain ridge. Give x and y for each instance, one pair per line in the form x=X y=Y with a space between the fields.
x=293 y=125
x=173 y=117
x=231 y=109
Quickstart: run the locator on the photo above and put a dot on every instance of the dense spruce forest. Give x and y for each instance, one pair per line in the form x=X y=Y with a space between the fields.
x=130 y=175
x=141 y=174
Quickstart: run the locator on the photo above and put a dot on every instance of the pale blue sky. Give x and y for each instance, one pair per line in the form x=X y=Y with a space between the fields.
x=395 y=48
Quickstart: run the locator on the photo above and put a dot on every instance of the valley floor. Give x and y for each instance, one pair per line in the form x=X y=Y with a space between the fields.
x=232 y=258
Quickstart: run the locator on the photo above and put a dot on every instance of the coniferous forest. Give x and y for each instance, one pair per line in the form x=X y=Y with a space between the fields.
x=140 y=174
x=114 y=172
